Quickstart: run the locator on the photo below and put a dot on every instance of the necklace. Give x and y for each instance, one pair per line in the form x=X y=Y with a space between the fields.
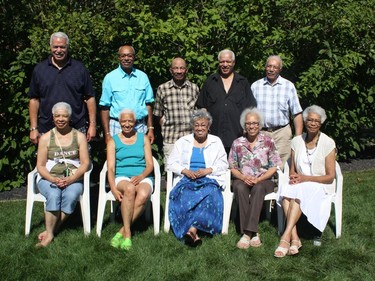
x=310 y=152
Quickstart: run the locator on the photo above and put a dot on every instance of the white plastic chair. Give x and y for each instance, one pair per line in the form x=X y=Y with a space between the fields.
x=227 y=196
x=33 y=195
x=336 y=197
x=105 y=196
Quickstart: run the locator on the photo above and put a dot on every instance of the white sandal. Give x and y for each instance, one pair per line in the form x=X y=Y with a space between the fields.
x=282 y=250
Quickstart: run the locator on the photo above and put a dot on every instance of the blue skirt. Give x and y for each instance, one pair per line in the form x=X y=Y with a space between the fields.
x=198 y=203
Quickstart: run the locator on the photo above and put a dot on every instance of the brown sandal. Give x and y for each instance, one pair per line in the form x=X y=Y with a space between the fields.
x=192 y=239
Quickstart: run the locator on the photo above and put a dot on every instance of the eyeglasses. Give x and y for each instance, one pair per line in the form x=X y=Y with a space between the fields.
x=200 y=125
x=61 y=116
x=255 y=124
x=313 y=121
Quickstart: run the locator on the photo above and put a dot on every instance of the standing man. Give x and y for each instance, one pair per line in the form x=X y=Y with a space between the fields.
x=126 y=87
x=276 y=97
x=60 y=78
x=175 y=101
x=225 y=95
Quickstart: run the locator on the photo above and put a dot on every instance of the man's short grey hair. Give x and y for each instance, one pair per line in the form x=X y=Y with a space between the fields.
x=317 y=110
x=64 y=106
x=251 y=111
x=201 y=114
x=226 y=51
x=59 y=35
x=275 y=57
x=127 y=111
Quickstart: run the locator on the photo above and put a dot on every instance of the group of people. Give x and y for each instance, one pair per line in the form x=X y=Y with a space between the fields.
x=228 y=124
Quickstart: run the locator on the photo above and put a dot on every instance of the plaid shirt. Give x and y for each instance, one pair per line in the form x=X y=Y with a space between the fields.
x=275 y=101
x=176 y=105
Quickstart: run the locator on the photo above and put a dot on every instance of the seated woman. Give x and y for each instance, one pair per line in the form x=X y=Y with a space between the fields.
x=129 y=163
x=312 y=172
x=199 y=163
x=62 y=160
x=253 y=160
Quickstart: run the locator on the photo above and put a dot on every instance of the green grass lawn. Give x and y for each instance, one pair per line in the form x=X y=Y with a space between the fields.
x=75 y=257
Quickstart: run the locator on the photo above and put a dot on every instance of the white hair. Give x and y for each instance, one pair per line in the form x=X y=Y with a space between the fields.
x=127 y=111
x=64 y=106
x=275 y=57
x=317 y=110
x=226 y=51
x=59 y=34
x=251 y=111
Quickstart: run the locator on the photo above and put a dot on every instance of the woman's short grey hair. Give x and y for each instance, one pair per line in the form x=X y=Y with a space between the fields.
x=251 y=111
x=64 y=106
x=317 y=110
x=226 y=51
x=59 y=35
x=275 y=57
x=201 y=114
x=127 y=111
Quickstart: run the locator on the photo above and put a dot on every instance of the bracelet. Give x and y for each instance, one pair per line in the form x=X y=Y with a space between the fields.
x=107 y=133
x=33 y=129
x=151 y=128
x=92 y=122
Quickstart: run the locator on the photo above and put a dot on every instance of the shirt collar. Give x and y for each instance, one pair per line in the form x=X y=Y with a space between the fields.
x=172 y=84
x=68 y=62
x=279 y=80
x=133 y=73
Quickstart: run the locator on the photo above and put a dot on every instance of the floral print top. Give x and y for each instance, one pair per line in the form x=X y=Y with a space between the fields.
x=256 y=161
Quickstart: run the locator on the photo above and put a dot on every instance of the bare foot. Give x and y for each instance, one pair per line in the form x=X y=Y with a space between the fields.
x=42 y=235
x=47 y=239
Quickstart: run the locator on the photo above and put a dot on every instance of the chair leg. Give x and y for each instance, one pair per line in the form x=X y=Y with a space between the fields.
x=29 y=213
x=85 y=211
x=338 y=216
x=156 y=213
x=100 y=215
x=280 y=219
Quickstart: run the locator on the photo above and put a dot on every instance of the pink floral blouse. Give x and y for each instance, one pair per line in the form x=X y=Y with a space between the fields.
x=256 y=161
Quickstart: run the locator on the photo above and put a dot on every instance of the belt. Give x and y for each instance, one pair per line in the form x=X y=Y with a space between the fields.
x=272 y=129
x=137 y=121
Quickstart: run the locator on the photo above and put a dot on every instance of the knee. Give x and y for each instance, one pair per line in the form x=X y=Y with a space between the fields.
x=129 y=191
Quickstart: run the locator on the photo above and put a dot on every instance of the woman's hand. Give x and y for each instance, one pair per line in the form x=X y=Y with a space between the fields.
x=250 y=180
x=203 y=172
x=136 y=179
x=117 y=194
x=190 y=174
x=296 y=178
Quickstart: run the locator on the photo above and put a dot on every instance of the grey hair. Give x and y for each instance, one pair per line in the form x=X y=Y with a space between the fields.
x=64 y=106
x=59 y=35
x=130 y=46
x=127 y=111
x=317 y=110
x=226 y=51
x=276 y=57
x=251 y=111
x=201 y=114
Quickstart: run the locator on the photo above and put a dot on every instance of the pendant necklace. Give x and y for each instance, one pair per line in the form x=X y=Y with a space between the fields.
x=311 y=152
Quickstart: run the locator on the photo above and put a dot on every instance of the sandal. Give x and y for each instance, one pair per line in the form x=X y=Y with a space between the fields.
x=244 y=242
x=126 y=244
x=295 y=245
x=255 y=241
x=117 y=240
x=192 y=239
x=281 y=252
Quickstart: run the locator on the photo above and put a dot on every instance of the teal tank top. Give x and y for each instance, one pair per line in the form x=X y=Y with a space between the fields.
x=130 y=159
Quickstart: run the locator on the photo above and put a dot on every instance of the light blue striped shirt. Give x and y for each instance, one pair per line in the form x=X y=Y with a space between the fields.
x=275 y=101
x=121 y=90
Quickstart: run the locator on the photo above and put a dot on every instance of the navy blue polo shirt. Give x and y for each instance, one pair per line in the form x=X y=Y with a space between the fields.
x=71 y=84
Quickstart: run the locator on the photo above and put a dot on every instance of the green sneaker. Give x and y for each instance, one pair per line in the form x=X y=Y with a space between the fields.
x=117 y=240
x=126 y=244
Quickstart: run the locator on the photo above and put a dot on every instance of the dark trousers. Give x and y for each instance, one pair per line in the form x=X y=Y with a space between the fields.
x=250 y=201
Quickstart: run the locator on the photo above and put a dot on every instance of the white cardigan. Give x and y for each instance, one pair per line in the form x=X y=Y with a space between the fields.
x=214 y=153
